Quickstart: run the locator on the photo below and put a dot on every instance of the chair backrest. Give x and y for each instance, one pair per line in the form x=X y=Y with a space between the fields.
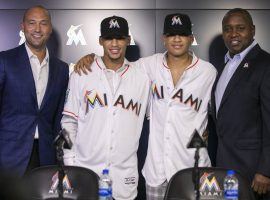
x=181 y=186
x=11 y=186
x=78 y=183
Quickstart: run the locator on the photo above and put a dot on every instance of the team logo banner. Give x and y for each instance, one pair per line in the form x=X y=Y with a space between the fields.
x=209 y=187
x=67 y=189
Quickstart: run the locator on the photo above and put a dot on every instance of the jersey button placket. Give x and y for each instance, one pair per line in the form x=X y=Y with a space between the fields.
x=169 y=84
x=167 y=131
x=166 y=141
x=114 y=113
x=112 y=138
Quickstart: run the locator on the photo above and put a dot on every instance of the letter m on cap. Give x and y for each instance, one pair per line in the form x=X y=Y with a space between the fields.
x=176 y=20
x=114 y=24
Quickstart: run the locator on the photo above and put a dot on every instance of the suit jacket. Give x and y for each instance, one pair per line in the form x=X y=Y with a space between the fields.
x=19 y=111
x=243 y=119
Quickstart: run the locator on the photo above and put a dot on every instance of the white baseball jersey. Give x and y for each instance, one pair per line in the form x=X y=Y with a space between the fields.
x=109 y=124
x=175 y=112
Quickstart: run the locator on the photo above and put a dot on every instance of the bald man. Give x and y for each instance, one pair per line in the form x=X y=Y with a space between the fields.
x=32 y=93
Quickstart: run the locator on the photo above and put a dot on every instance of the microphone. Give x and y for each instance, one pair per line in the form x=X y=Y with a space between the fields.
x=195 y=141
x=63 y=140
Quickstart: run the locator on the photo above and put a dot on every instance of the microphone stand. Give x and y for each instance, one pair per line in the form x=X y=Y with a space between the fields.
x=196 y=174
x=197 y=143
x=61 y=141
x=60 y=165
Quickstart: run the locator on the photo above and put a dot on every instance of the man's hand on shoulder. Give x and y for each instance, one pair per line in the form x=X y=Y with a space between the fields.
x=84 y=64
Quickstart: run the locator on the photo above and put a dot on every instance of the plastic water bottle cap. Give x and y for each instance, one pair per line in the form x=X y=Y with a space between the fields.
x=105 y=171
x=230 y=172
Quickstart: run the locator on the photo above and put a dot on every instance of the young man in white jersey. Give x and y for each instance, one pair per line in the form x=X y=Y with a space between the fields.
x=181 y=88
x=104 y=112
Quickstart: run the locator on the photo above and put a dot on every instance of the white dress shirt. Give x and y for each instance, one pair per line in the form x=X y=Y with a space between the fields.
x=40 y=74
x=230 y=68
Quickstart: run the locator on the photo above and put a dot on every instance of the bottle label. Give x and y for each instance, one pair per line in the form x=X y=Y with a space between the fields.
x=105 y=192
x=231 y=193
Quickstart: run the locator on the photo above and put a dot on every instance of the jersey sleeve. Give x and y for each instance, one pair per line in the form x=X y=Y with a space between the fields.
x=69 y=121
x=72 y=101
x=70 y=124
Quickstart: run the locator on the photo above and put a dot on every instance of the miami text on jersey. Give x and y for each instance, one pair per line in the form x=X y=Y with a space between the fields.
x=195 y=103
x=93 y=99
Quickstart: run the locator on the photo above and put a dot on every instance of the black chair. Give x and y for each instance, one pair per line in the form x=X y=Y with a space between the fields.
x=11 y=186
x=79 y=183
x=181 y=186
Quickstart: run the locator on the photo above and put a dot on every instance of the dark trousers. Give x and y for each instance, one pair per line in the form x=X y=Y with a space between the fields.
x=262 y=197
x=34 y=161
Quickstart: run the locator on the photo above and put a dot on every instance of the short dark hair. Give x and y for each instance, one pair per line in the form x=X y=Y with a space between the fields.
x=244 y=12
x=37 y=6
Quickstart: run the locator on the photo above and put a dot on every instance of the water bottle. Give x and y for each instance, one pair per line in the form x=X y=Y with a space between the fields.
x=105 y=186
x=230 y=186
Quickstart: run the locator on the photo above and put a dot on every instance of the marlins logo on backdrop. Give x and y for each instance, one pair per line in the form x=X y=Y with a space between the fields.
x=76 y=37
x=22 y=37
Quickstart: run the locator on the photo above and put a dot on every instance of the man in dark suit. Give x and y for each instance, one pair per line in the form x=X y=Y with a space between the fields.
x=32 y=92
x=241 y=103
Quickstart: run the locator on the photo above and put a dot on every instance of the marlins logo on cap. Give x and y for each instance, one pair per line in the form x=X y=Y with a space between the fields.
x=114 y=23
x=176 y=20
x=114 y=27
x=177 y=24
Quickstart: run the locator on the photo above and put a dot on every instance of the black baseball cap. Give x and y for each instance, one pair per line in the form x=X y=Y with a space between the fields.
x=177 y=24
x=114 y=26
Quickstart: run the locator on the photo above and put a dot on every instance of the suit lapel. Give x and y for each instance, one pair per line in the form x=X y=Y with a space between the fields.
x=26 y=72
x=213 y=99
x=241 y=70
x=51 y=78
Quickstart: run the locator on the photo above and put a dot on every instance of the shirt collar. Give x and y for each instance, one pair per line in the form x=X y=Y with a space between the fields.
x=102 y=66
x=32 y=55
x=240 y=55
x=193 y=62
